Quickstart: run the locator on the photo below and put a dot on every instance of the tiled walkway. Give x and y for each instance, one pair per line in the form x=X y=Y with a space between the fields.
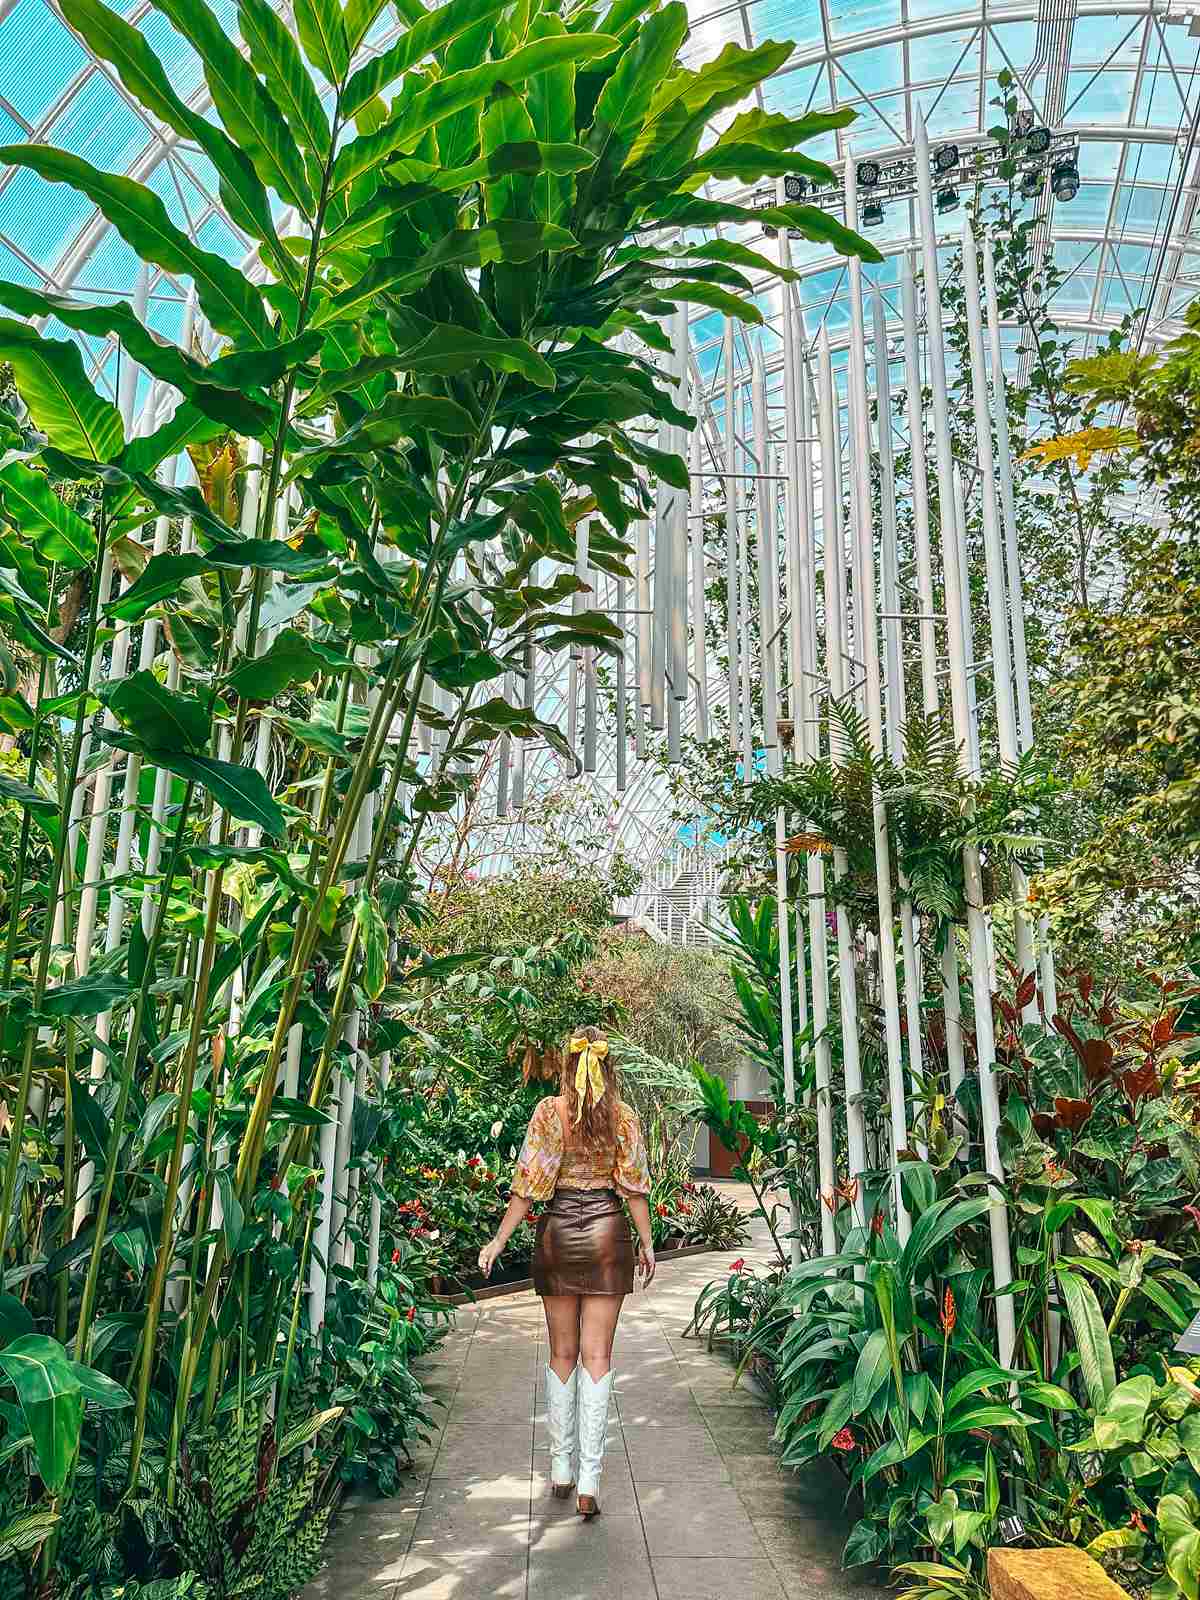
x=694 y=1504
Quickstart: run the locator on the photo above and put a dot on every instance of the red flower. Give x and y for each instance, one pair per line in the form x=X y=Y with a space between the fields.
x=844 y=1440
x=660 y=1210
x=411 y=1314
x=685 y=1210
x=474 y=1161
x=738 y=1266
x=395 y=1257
x=1194 y=1213
x=877 y=1223
x=949 y=1312
x=489 y=1177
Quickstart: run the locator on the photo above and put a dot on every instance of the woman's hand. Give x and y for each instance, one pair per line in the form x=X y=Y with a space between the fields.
x=646 y=1263
x=488 y=1256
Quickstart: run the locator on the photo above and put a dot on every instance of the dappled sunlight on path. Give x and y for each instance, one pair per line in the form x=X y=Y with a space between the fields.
x=694 y=1504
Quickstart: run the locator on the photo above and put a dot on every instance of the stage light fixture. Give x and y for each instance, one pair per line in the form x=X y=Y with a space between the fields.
x=945 y=158
x=1032 y=184
x=1038 y=142
x=794 y=187
x=947 y=198
x=1023 y=123
x=869 y=174
x=872 y=214
x=1064 y=180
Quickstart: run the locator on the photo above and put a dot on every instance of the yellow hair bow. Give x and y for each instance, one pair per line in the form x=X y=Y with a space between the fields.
x=591 y=1053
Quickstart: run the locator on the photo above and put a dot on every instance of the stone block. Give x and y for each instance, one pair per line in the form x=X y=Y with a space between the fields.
x=1063 y=1573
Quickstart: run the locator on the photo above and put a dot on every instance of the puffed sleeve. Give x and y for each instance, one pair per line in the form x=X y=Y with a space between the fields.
x=541 y=1155
x=632 y=1172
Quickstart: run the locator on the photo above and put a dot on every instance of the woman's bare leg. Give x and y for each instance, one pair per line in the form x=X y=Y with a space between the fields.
x=562 y=1325
x=598 y=1318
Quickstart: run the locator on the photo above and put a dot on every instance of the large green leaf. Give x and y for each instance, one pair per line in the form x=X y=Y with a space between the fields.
x=188 y=425
x=247 y=111
x=934 y=1226
x=435 y=29
x=247 y=413
x=126 y=48
x=89 y=996
x=1091 y=1336
x=1123 y=1419
x=323 y=36
x=506 y=240
x=457 y=92
x=227 y=297
x=160 y=716
x=373 y=936
x=401 y=416
x=99 y=1390
x=51 y=1401
x=448 y=350
x=276 y=57
x=60 y=534
x=774 y=131
x=164 y=574
x=1180 y=1538
x=550 y=99
x=693 y=211
x=872 y=1371
x=239 y=790
x=749 y=163
x=289 y=659
x=52 y=382
x=626 y=98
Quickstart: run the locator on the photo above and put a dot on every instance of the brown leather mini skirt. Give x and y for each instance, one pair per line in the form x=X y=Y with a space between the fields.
x=583 y=1245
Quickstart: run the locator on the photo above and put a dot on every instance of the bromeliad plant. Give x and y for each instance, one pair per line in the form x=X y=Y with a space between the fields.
x=398 y=415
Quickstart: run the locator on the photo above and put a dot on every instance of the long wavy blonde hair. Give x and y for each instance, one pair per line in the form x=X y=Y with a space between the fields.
x=596 y=1128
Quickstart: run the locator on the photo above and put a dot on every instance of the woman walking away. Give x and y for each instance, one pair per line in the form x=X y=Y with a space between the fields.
x=583 y=1151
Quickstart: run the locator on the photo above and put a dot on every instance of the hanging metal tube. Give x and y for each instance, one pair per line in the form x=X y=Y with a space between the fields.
x=998 y=608
x=806 y=705
x=920 y=488
x=835 y=671
x=868 y=651
x=699 y=579
x=733 y=625
x=894 y=682
x=1016 y=593
x=955 y=581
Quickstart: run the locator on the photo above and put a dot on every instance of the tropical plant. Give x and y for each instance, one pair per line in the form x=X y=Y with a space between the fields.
x=399 y=416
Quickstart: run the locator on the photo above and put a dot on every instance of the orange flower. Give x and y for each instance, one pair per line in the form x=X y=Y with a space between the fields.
x=949 y=1312
x=843 y=1440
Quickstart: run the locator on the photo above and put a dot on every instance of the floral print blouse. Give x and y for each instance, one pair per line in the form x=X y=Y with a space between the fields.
x=545 y=1165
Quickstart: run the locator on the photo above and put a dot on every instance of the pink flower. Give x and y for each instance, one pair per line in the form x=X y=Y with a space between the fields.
x=843 y=1440
x=738 y=1266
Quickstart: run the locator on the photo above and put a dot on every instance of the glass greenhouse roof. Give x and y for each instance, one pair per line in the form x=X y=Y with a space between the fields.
x=1122 y=79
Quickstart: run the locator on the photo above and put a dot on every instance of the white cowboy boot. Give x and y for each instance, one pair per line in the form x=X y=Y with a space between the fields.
x=593 y=1432
x=560 y=1425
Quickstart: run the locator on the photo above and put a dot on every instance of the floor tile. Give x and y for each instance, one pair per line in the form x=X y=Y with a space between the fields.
x=716 y=1578
x=604 y=1559
x=479 y=1578
x=705 y=1520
